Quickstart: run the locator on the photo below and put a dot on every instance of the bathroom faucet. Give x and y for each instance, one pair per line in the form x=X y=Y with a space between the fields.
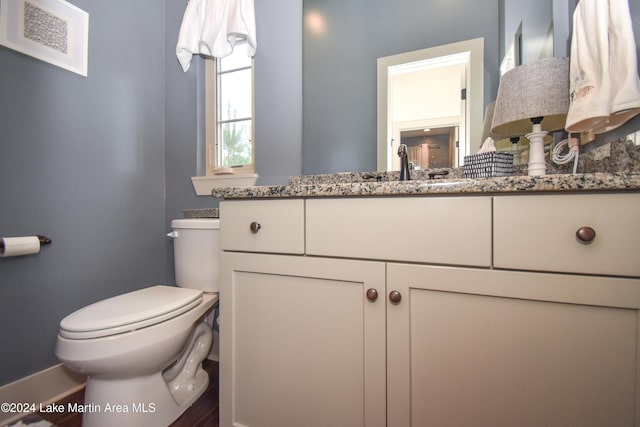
x=404 y=162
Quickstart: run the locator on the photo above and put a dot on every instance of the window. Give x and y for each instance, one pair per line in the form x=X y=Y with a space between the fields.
x=229 y=110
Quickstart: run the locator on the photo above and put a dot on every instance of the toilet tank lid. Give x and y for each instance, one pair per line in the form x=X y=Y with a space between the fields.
x=131 y=308
x=196 y=223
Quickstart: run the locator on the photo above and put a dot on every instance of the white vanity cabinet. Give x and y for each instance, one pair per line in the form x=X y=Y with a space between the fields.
x=473 y=347
x=475 y=323
x=302 y=341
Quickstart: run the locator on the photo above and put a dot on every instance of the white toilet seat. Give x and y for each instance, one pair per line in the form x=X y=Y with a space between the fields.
x=128 y=312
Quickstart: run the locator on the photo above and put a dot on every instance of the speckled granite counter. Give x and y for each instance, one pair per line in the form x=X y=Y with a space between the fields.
x=514 y=184
x=617 y=165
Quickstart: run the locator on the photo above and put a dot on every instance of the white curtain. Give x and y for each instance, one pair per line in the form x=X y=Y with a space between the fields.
x=214 y=27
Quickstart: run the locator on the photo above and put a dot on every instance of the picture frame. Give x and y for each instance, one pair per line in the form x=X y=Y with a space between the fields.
x=54 y=31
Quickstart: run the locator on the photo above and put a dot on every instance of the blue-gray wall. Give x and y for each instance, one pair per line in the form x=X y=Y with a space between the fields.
x=81 y=161
x=339 y=87
x=101 y=164
x=181 y=129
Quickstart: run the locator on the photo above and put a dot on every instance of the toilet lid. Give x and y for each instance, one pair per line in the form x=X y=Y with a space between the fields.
x=128 y=312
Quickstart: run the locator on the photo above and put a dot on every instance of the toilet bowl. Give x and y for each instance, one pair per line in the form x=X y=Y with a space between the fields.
x=142 y=351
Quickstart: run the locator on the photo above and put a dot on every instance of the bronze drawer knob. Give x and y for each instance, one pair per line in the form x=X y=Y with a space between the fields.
x=255 y=227
x=586 y=235
x=395 y=297
x=372 y=294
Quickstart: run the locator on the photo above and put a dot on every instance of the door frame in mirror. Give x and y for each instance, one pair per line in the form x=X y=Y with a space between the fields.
x=475 y=93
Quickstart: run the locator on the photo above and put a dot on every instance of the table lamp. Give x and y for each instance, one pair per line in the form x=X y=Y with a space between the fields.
x=503 y=144
x=533 y=98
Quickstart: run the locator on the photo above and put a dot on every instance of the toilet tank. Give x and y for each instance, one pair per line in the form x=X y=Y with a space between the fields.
x=196 y=253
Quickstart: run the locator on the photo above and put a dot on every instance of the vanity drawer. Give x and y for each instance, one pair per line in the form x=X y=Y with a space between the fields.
x=539 y=233
x=275 y=226
x=442 y=230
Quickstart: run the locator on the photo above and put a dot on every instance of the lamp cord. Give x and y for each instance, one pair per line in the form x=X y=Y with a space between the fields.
x=572 y=154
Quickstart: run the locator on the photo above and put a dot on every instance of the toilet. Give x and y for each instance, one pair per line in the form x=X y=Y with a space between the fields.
x=142 y=351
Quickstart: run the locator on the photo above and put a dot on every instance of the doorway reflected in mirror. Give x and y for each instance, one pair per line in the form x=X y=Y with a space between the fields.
x=430 y=148
x=436 y=87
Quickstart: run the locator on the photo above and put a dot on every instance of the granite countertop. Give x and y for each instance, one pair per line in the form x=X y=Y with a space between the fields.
x=512 y=184
x=613 y=167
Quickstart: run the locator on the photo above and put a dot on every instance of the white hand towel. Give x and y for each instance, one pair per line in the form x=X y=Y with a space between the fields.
x=623 y=64
x=589 y=80
x=213 y=28
x=604 y=86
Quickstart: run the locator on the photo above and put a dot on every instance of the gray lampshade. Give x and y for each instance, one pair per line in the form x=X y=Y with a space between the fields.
x=536 y=89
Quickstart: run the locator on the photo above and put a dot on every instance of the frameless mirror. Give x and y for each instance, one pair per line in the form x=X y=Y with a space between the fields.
x=431 y=100
x=343 y=40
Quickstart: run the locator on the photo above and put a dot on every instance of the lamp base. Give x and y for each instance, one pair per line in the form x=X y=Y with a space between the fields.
x=537 y=163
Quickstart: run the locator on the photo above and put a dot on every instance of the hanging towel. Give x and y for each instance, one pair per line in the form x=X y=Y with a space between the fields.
x=214 y=27
x=624 y=66
x=604 y=85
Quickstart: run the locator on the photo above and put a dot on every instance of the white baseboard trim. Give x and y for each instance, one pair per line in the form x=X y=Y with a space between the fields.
x=44 y=387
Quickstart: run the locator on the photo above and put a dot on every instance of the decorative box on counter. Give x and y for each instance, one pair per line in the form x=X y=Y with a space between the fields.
x=489 y=164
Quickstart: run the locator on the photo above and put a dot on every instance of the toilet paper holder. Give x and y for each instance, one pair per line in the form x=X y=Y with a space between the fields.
x=44 y=240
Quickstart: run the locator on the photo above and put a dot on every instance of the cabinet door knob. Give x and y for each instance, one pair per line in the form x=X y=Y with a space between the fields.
x=395 y=297
x=586 y=234
x=372 y=294
x=255 y=227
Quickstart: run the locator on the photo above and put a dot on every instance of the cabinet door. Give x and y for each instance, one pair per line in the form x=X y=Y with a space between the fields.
x=471 y=347
x=301 y=345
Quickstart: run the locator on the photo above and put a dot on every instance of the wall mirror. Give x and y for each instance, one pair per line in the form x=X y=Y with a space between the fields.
x=340 y=87
x=431 y=100
x=345 y=128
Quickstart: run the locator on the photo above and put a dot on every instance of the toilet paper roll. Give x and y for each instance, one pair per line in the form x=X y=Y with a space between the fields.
x=15 y=246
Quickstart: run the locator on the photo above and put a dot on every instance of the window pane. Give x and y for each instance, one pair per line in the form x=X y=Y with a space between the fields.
x=237 y=59
x=235 y=143
x=235 y=95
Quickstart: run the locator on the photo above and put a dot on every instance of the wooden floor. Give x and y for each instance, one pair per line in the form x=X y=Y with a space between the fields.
x=203 y=413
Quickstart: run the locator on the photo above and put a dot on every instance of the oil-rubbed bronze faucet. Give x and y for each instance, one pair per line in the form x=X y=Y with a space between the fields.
x=404 y=162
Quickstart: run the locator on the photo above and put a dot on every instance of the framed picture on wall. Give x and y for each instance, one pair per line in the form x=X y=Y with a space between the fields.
x=54 y=31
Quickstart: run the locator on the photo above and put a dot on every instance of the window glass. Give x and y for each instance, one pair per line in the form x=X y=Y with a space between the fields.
x=229 y=104
x=235 y=143
x=235 y=95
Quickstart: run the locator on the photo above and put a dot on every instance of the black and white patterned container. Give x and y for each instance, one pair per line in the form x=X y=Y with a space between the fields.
x=487 y=165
